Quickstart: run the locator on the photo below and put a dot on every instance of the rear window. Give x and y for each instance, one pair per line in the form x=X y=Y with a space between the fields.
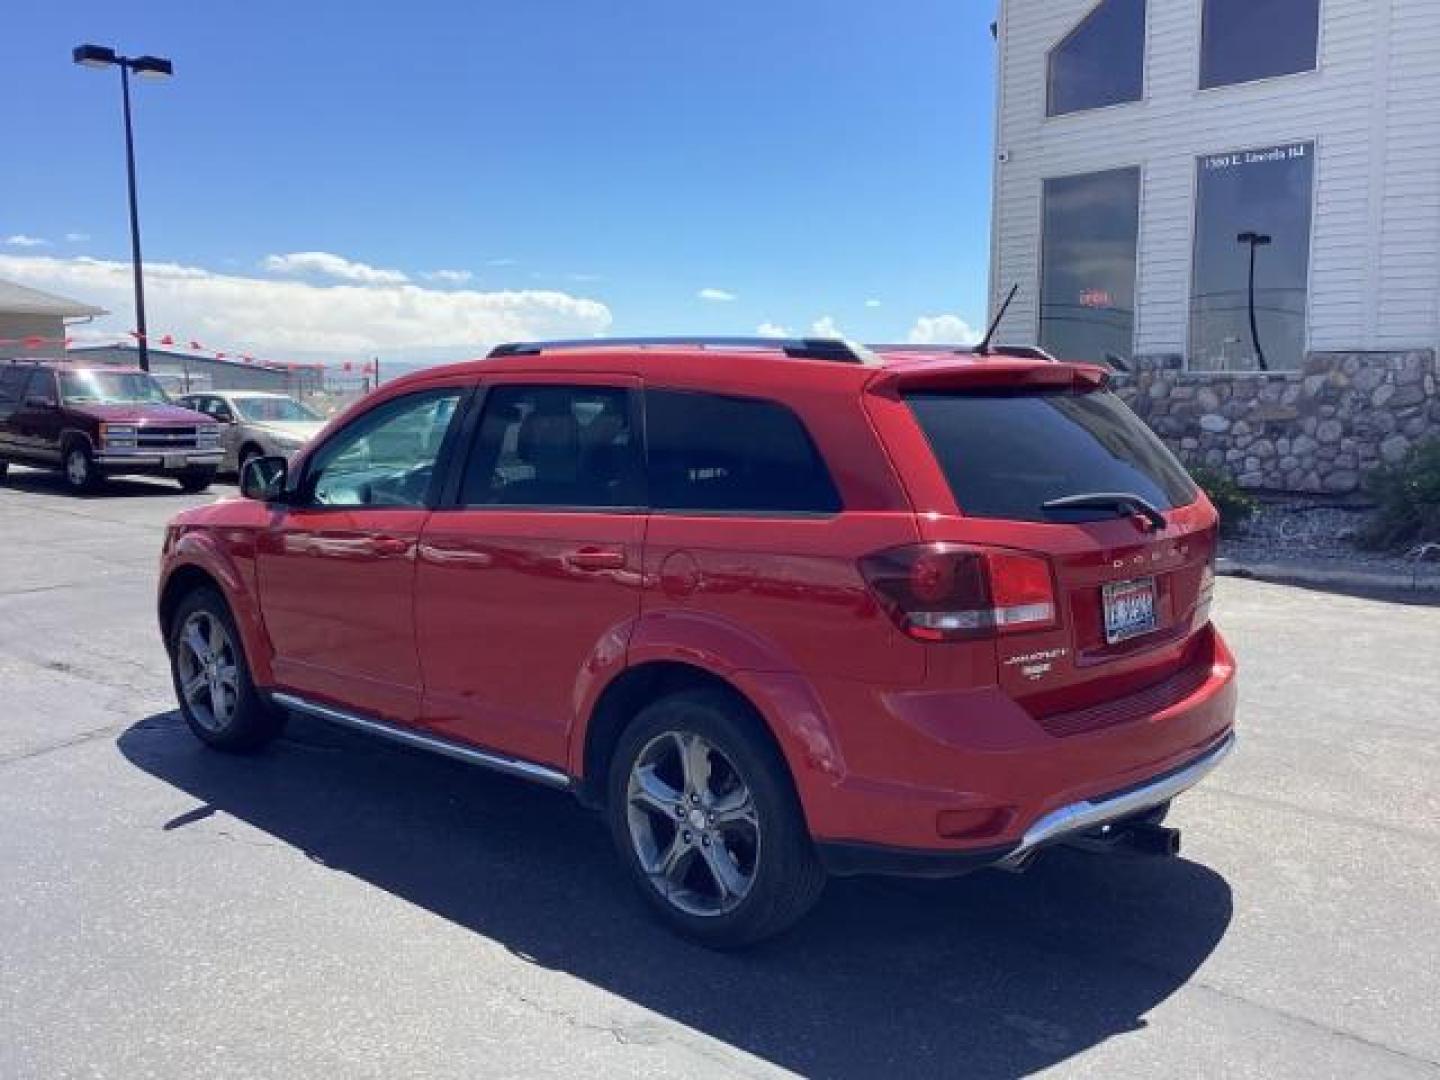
x=1006 y=454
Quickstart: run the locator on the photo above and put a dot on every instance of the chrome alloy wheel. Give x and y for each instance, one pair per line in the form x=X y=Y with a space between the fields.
x=693 y=824
x=209 y=671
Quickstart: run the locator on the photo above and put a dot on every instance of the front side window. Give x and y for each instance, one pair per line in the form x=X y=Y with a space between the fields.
x=571 y=447
x=386 y=457
x=1252 y=259
x=1087 y=289
x=1102 y=61
x=111 y=388
x=41 y=386
x=1245 y=40
x=714 y=454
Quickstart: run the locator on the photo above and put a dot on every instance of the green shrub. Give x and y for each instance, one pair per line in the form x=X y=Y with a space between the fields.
x=1236 y=505
x=1407 y=499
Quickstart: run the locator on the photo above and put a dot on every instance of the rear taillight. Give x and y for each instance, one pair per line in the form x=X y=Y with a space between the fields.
x=946 y=592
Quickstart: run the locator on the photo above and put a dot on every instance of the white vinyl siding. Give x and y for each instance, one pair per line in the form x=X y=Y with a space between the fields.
x=1370 y=108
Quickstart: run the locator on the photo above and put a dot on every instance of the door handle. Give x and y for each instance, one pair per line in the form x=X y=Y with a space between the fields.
x=390 y=546
x=596 y=559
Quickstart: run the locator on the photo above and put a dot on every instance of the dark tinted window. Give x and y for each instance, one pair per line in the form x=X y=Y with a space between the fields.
x=1257 y=39
x=562 y=446
x=12 y=382
x=42 y=385
x=1266 y=194
x=724 y=454
x=1102 y=61
x=1087 y=288
x=1006 y=454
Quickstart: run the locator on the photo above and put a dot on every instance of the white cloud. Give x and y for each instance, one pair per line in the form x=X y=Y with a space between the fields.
x=770 y=329
x=872 y=303
x=500 y=262
x=450 y=277
x=330 y=265
x=77 y=237
x=719 y=296
x=265 y=316
x=825 y=327
x=21 y=240
x=942 y=330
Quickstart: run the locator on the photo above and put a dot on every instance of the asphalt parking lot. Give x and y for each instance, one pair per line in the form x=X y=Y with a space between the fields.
x=338 y=907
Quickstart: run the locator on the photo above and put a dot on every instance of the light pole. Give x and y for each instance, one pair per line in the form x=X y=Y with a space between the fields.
x=1255 y=240
x=144 y=67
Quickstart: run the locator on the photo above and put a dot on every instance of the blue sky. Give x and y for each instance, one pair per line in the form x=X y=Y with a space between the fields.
x=598 y=163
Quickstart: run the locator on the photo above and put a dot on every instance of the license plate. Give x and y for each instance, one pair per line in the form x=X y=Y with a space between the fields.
x=175 y=461
x=1129 y=609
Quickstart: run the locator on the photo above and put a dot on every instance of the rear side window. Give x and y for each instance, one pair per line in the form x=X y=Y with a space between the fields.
x=1005 y=454
x=714 y=454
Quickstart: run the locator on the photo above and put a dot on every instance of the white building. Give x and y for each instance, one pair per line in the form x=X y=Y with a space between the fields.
x=1138 y=140
x=33 y=323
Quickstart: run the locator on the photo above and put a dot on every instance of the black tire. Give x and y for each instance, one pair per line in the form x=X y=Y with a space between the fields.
x=4 y=468
x=78 y=467
x=786 y=877
x=194 y=481
x=246 y=722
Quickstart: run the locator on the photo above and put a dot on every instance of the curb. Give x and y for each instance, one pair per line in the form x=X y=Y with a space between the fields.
x=1425 y=583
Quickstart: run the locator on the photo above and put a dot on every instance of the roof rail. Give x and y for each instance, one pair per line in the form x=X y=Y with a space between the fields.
x=832 y=349
x=1017 y=352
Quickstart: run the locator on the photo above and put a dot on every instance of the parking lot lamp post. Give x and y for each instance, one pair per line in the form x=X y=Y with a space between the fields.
x=144 y=67
x=1255 y=240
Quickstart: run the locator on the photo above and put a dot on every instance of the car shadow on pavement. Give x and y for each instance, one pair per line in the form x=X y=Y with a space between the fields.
x=42 y=482
x=987 y=976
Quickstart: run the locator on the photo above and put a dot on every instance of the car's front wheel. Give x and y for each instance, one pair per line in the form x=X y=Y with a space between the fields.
x=194 y=481
x=212 y=679
x=704 y=816
x=81 y=475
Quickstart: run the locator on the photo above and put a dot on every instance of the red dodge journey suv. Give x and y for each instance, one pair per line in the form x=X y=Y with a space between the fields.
x=777 y=608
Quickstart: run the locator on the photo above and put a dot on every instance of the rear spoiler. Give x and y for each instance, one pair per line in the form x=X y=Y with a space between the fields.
x=991 y=373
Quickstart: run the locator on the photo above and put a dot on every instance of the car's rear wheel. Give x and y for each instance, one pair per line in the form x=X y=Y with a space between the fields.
x=704 y=816
x=194 y=481
x=81 y=475
x=212 y=679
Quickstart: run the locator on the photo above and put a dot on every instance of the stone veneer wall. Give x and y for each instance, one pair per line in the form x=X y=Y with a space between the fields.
x=1317 y=430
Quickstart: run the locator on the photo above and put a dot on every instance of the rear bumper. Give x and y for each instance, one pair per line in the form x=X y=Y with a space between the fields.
x=972 y=778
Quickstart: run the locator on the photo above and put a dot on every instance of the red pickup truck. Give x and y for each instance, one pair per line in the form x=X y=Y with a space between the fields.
x=94 y=422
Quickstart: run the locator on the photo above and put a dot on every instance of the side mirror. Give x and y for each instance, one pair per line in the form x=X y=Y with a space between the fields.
x=263 y=478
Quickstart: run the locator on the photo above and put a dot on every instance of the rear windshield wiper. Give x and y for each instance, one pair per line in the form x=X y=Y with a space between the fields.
x=1123 y=501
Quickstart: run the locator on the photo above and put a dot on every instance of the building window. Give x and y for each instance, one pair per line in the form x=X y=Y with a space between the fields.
x=1246 y=40
x=1252 y=210
x=1102 y=61
x=1087 y=273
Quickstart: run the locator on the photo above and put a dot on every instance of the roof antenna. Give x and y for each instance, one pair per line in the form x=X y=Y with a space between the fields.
x=983 y=349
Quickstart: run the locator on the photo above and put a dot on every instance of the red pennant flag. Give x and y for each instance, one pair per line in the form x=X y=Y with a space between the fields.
x=167 y=340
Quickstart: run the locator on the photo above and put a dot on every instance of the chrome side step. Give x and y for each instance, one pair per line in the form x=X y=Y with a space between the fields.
x=526 y=770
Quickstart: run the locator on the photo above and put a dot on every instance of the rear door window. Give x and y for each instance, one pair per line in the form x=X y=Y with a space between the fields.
x=715 y=454
x=1006 y=453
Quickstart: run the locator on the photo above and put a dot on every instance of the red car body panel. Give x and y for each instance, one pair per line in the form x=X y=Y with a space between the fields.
x=503 y=628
